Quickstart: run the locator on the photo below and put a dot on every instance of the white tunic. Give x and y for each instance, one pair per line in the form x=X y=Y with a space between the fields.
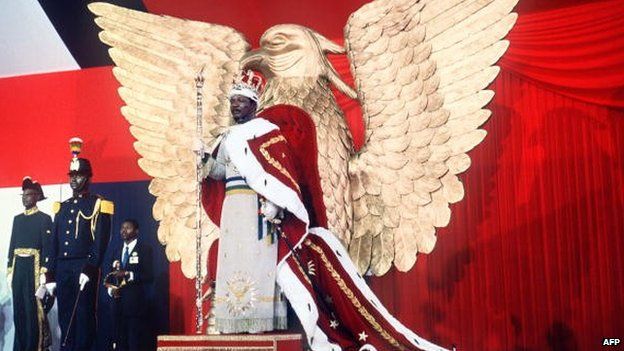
x=246 y=297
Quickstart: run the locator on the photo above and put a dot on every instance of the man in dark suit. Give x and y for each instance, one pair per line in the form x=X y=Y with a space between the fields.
x=133 y=269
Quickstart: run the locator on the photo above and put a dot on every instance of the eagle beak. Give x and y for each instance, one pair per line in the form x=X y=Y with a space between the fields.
x=327 y=46
x=253 y=60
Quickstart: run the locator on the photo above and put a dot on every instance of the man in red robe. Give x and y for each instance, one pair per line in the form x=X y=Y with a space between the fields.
x=335 y=306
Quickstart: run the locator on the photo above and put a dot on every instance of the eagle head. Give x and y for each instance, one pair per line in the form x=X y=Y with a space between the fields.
x=290 y=50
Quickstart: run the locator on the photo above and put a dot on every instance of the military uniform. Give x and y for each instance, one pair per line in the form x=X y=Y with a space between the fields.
x=81 y=233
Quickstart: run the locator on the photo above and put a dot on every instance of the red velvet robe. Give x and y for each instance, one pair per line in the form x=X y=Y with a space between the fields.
x=333 y=302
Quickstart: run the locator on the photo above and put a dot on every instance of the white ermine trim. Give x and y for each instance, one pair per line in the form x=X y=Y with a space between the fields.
x=260 y=181
x=349 y=267
x=305 y=308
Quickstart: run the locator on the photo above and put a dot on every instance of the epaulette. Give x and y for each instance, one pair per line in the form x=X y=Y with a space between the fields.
x=107 y=207
x=56 y=207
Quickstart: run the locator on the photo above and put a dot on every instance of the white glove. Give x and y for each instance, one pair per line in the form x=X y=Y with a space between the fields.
x=215 y=144
x=42 y=279
x=198 y=146
x=270 y=211
x=207 y=167
x=40 y=293
x=10 y=280
x=83 y=280
x=51 y=287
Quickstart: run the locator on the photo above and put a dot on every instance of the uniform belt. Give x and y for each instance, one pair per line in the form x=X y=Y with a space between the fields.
x=239 y=189
x=66 y=258
x=234 y=179
x=237 y=185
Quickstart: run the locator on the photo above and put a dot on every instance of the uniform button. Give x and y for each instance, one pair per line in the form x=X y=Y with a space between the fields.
x=69 y=221
x=72 y=210
x=75 y=201
x=64 y=253
x=46 y=259
x=67 y=232
x=48 y=231
x=66 y=243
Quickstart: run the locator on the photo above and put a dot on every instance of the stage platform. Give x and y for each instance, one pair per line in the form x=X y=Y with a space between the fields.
x=243 y=342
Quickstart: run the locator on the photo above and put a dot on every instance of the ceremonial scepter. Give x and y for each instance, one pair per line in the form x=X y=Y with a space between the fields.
x=199 y=318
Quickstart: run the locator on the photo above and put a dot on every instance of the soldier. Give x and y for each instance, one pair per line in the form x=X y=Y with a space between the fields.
x=80 y=236
x=31 y=231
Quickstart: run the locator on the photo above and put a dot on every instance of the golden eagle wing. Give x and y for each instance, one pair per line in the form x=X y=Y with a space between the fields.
x=156 y=60
x=421 y=69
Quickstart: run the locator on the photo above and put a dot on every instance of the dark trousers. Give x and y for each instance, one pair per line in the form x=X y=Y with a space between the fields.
x=131 y=333
x=82 y=328
x=27 y=313
x=135 y=334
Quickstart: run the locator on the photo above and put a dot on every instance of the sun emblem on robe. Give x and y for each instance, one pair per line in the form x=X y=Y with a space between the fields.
x=242 y=294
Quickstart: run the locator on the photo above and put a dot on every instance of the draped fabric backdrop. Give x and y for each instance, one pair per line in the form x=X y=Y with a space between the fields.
x=532 y=258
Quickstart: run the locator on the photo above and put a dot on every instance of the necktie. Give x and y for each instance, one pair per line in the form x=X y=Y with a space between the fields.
x=124 y=259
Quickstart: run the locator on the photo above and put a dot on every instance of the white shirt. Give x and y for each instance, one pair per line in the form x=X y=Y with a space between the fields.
x=130 y=247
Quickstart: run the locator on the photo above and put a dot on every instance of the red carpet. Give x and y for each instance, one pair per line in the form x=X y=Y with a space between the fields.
x=261 y=342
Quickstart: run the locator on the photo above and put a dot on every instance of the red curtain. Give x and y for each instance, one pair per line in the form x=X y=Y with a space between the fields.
x=577 y=51
x=532 y=258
